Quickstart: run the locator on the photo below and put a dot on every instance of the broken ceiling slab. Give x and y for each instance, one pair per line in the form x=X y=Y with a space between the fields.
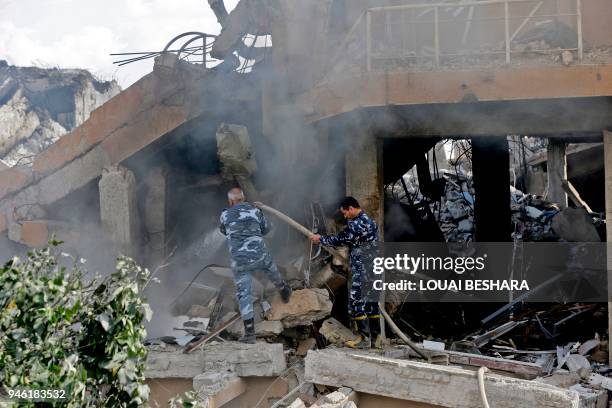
x=422 y=382
x=245 y=360
x=304 y=307
x=219 y=388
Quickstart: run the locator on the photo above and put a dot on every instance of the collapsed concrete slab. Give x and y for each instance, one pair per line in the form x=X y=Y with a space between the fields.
x=422 y=382
x=304 y=307
x=256 y=360
x=218 y=388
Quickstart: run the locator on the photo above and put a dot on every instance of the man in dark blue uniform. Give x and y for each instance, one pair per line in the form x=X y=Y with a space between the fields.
x=244 y=225
x=361 y=237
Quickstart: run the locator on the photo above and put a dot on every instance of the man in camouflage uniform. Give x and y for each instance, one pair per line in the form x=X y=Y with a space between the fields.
x=361 y=237
x=244 y=225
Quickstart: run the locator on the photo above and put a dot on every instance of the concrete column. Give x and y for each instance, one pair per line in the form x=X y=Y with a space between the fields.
x=364 y=177
x=118 y=209
x=155 y=216
x=364 y=181
x=607 y=138
x=557 y=172
x=491 y=169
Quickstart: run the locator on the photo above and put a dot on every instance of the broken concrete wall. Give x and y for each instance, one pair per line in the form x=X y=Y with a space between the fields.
x=258 y=360
x=38 y=106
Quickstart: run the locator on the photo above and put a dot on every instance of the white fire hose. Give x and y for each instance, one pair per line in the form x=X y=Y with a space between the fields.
x=301 y=229
x=481 y=387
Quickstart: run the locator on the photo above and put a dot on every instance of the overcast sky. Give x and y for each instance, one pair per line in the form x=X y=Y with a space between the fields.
x=82 y=33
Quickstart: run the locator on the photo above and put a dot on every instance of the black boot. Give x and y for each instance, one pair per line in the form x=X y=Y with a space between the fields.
x=249 y=332
x=375 y=331
x=363 y=337
x=286 y=292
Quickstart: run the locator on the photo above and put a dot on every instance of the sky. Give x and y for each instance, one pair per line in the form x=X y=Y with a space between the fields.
x=82 y=33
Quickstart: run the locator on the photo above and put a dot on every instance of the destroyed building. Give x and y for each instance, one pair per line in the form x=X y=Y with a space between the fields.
x=303 y=102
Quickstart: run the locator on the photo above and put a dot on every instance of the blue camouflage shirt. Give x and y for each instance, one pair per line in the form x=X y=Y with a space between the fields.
x=244 y=226
x=359 y=231
x=361 y=237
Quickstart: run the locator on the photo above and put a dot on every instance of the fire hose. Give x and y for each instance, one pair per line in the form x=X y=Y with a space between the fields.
x=300 y=228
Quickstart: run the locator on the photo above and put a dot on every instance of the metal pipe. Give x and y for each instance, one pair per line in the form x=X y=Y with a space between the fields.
x=526 y=20
x=429 y=6
x=579 y=29
x=507 y=30
x=369 y=41
x=399 y=333
x=437 y=35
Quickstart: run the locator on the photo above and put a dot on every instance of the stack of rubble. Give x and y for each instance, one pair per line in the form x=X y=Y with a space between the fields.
x=579 y=367
x=272 y=322
x=532 y=216
x=456 y=214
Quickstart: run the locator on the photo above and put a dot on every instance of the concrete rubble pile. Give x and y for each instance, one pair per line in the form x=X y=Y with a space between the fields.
x=532 y=216
x=456 y=215
x=306 y=307
x=301 y=345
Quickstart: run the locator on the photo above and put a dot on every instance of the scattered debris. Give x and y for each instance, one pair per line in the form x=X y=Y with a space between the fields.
x=534 y=218
x=335 y=332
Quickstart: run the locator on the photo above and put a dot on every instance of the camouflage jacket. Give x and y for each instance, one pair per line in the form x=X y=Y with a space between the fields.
x=244 y=225
x=360 y=231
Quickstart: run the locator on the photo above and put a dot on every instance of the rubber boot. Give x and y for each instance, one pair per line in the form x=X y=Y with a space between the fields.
x=286 y=292
x=375 y=331
x=249 y=332
x=363 y=338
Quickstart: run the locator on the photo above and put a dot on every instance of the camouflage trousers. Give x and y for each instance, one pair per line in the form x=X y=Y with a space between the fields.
x=243 y=279
x=363 y=299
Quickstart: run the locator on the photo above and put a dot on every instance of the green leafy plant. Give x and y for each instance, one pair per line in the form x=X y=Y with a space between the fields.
x=60 y=330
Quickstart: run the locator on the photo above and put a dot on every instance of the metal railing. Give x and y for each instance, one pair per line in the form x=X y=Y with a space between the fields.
x=435 y=26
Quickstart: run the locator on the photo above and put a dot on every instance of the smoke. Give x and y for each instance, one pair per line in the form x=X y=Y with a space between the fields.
x=298 y=163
